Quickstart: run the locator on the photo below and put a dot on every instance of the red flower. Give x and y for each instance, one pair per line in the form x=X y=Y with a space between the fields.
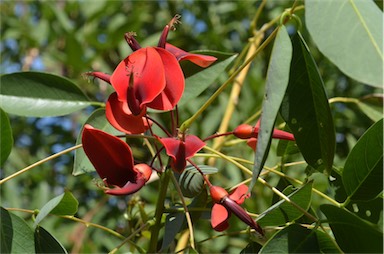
x=120 y=117
x=181 y=149
x=198 y=59
x=226 y=204
x=113 y=161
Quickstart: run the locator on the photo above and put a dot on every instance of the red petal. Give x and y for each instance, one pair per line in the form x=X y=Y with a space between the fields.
x=192 y=145
x=219 y=217
x=200 y=60
x=252 y=143
x=241 y=214
x=147 y=70
x=172 y=146
x=176 y=149
x=239 y=194
x=100 y=75
x=111 y=157
x=120 y=117
x=282 y=135
x=174 y=88
x=128 y=188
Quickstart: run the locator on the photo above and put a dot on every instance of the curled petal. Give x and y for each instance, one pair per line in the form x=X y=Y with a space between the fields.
x=219 y=217
x=120 y=117
x=128 y=188
x=236 y=209
x=146 y=68
x=100 y=75
x=240 y=194
x=111 y=157
x=198 y=59
x=193 y=144
x=176 y=150
x=174 y=79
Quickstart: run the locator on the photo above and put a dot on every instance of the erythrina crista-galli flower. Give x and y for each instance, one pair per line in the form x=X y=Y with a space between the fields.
x=113 y=161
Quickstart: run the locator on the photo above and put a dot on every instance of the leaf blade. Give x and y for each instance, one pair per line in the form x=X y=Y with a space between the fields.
x=40 y=94
x=5 y=137
x=352 y=234
x=363 y=171
x=276 y=85
x=306 y=110
x=349 y=33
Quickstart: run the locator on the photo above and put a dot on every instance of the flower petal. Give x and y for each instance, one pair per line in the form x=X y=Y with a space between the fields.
x=100 y=75
x=128 y=188
x=120 y=117
x=219 y=217
x=235 y=208
x=175 y=83
x=146 y=68
x=239 y=194
x=252 y=143
x=193 y=144
x=111 y=157
x=176 y=150
x=198 y=59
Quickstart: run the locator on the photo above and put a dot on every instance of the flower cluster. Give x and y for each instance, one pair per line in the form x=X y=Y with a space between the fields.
x=152 y=78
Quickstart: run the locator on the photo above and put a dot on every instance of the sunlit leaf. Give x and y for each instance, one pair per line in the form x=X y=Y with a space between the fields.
x=98 y=120
x=16 y=235
x=363 y=170
x=47 y=243
x=40 y=94
x=353 y=234
x=292 y=239
x=276 y=85
x=306 y=110
x=6 y=137
x=350 y=34
x=282 y=212
x=64 y=204
x=197 y=82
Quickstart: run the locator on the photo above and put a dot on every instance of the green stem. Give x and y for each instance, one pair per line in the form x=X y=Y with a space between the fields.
x=155 y=229
x=187 y=214
x=343 y=99
x=190 y=120
x=39 y=163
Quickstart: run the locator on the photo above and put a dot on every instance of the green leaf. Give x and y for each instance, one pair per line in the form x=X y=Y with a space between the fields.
x=47 y=243
x=276 y=85
x=64 y=204
x=375 y=113
x=98 y=120
x=16 y=235
x=6 y=137
x=292 y=239
x=326 y=243
x=363 y=170
x=252 y=247
x=173 y=225
x=191 y=181
x=40 y=94
x=197 y=82
x=353 y=234
x=349 y=33
x=306 y=110
x=282 y=211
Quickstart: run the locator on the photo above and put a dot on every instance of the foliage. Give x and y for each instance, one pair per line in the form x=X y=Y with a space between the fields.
x=313 y=69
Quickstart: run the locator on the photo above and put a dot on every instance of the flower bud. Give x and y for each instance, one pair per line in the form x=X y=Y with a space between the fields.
x=244 y=131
